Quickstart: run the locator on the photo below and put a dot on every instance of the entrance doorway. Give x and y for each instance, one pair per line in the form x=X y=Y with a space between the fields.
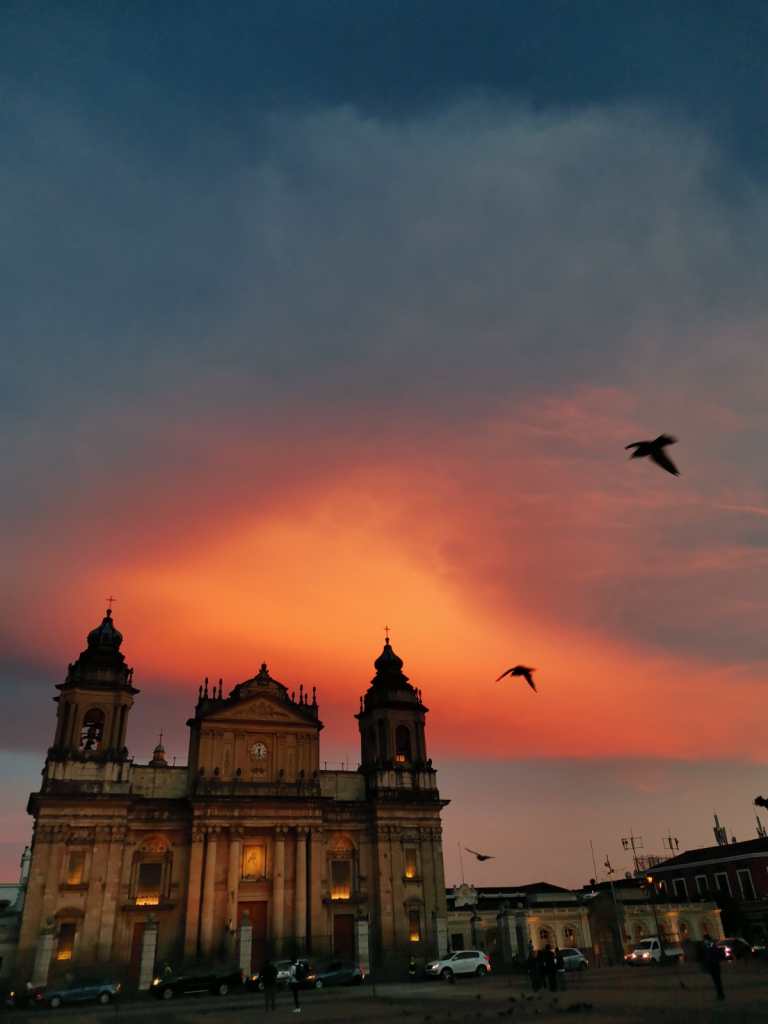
x=344 y=936
x=134 y=966
x=257 y=913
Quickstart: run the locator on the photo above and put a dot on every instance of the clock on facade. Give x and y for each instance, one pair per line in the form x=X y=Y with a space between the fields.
x=259 y=751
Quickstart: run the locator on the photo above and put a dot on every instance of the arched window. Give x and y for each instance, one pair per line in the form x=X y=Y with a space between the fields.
x=544 y=936
x=341 y=866
x=403 y=744
x=569 y=936
x=371 y=743
x=383 y=745
x=92 y=730
x=152 y=872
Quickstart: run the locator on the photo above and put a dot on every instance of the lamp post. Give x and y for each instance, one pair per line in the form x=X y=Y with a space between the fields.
x=662 y=954
x=617 y=917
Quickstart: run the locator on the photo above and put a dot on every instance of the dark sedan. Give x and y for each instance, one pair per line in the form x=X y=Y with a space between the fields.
x=337 y=972
x=195 y=982
x=102 y=992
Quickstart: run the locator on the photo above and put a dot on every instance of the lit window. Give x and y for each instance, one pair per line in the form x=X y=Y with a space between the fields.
x=402 y=744
x=76 y=868
x=414 y=926
x=570 y=936
x=341 y=879
x=255 y=861
x=410 y=862
x=149 y=884
x=65 y=947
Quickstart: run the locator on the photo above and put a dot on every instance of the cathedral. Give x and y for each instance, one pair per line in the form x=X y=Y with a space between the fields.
x=251 y=837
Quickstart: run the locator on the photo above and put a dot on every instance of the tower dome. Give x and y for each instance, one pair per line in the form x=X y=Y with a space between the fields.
x=105 y=635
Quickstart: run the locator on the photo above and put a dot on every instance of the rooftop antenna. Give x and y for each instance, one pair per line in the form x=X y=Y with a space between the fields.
x=633 y=843
x=671 y=843
x=761 y=828
x=721 y=834
x=594 y=863
x=461 y=863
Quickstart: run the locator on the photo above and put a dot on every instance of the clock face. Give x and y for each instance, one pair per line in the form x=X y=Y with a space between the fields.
x=259 y=751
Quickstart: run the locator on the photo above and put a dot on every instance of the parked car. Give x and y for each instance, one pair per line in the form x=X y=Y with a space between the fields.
x=78 y=992
x=337 y=972
x=466 y=961
x=197 y=981
x=649 y=952
x=734 y=948
x=574 y=959
x=21 y=997
x=255 y=981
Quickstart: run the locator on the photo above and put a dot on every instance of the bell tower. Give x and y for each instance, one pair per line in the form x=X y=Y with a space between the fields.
x=391 y=720
x=93 y=703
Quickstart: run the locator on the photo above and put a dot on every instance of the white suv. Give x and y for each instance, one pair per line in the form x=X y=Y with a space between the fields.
x=467 y=961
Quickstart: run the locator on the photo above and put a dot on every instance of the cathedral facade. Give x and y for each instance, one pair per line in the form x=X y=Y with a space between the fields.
x=251 y=835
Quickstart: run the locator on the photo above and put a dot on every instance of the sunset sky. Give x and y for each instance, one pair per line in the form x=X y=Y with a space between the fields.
x=324 y=316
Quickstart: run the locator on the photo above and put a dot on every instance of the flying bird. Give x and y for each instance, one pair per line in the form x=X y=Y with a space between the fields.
x=655 y=451
x=521 y=670
x=480 y=856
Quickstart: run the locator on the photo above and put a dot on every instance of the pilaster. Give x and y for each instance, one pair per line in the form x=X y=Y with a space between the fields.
x=192 y=927
x=300 y=899
x=209 y=893
x=278 y=890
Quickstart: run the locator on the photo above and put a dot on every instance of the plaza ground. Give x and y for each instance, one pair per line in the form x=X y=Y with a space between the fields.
x=622 y=994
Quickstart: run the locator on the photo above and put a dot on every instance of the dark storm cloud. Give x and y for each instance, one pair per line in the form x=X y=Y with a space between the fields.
x=159 y=72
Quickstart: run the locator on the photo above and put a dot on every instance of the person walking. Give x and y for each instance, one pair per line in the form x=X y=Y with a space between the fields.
x=269 y=978
x=293 y=981
x=550 y=967
x=711 y=958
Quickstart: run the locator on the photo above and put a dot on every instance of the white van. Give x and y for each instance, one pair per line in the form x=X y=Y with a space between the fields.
x=649 y=952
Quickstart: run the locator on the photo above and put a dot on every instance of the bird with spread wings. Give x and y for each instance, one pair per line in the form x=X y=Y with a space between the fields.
x=524 y=672
x=480 y=856
x=654 y=450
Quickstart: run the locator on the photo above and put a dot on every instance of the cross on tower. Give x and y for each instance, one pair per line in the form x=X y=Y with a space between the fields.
x=386 y=632
x=110 y=601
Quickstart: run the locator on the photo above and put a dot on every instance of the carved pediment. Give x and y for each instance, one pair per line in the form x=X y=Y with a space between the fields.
x=256 y=710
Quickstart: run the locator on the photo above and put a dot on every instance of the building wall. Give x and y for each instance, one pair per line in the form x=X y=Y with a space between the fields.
x=204 y=892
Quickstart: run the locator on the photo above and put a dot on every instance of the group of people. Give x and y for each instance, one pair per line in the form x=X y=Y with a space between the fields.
x=546 y=967
x=297 y=973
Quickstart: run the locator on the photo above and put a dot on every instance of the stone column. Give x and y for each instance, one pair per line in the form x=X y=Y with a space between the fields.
x=209 y=893
x=245 y=944
x=43 y=954
x=318 y=929
x=300 y=899
x=192 y=927
x=233 y=877
x=111 y=896
x=362 y=955
x=278 y=892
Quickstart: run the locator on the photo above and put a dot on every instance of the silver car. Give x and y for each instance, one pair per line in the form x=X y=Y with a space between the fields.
x=574 y=959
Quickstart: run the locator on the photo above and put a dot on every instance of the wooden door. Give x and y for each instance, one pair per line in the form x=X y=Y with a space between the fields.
x=257 y=913
x=344 y=936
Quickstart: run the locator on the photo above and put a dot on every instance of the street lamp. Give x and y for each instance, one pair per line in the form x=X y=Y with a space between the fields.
x=649 y=880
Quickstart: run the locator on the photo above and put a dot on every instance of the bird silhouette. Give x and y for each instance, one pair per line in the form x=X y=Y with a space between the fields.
x=654 y=450
x=480 y=856
x=521 y=670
